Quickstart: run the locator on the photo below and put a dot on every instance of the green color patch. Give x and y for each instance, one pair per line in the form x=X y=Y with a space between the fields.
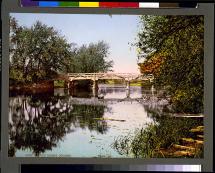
x=69 y=4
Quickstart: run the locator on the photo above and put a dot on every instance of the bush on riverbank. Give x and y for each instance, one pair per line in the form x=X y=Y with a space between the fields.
x=39 y=87
x=146 y=142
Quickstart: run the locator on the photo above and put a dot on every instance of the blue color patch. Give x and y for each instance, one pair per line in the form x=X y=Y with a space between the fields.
x=48 y=4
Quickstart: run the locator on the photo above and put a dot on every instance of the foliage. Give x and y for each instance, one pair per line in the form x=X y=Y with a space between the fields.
x=39 y=53
x=146 y=142
x=36 y=53
x=178 y=41
x=92 y=58
x=152 y=66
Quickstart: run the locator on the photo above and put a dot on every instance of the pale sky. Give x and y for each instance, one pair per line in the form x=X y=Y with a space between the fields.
x=118 y=31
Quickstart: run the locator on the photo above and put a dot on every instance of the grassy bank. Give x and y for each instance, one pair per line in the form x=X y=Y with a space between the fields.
x=135 y=83
x=59 y=84
x=147 y=142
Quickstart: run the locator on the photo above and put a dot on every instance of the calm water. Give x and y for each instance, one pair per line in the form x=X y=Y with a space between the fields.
x=65 y=124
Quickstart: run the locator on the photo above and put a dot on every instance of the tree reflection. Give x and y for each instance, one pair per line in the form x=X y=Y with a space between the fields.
x=39 y=122
x=86 y=115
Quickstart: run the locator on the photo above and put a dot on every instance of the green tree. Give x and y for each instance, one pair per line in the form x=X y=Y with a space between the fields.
x=37 y=53
x=93 y=58
x=180 y=41
x=40 y=53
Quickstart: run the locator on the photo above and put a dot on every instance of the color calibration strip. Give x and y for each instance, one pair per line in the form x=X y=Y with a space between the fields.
x=30 y=3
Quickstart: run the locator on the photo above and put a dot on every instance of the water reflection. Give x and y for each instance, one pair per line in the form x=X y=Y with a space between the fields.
x=120 y=91
x=39 y=122
x=53 y=122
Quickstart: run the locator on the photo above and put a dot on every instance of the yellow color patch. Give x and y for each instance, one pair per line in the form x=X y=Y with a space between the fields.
x=88 y=4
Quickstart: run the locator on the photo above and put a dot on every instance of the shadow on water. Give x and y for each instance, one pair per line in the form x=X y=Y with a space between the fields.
x=39 y=121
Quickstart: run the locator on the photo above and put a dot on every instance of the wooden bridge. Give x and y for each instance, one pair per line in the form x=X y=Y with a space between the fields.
x=127 y=77
x=109 y=76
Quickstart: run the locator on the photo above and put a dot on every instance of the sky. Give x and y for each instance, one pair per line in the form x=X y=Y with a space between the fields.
x=116 y=30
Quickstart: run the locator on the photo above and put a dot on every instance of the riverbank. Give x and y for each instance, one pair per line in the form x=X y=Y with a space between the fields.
x=191 y=146
x=166 y=137
x=35 y=87
x=132 y=83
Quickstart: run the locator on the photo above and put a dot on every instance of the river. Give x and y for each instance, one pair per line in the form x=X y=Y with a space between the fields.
x=61 y=124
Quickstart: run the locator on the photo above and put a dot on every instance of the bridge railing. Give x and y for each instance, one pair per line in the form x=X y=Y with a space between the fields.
x=71 y=74
x=130 y=76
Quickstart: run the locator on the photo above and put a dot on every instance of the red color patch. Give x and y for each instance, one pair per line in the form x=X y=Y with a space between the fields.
x=119 y=4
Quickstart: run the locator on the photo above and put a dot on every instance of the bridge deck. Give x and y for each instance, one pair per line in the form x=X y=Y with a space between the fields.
x=97 y=76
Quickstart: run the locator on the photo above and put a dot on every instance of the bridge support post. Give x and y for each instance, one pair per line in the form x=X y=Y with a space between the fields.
x=71 y=87
x=66 y=84
x=95 y=88
x=153 y=93
x=128 y=89
x=70 y=84
x=128 y=93
x=128 y=85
